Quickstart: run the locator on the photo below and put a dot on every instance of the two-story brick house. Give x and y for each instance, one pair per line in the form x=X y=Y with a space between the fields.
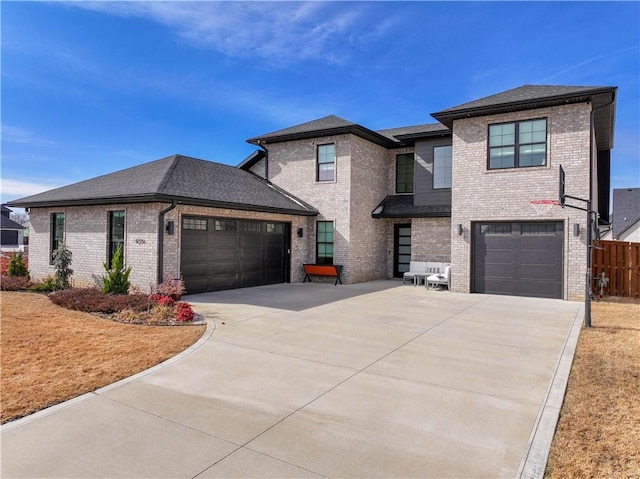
x=332 y=191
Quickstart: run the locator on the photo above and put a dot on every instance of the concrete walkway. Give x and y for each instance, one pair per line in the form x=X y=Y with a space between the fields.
x=311 y=380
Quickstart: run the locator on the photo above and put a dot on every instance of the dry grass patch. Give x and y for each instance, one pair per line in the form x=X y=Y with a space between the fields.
x=50 y=354
x=598 y=434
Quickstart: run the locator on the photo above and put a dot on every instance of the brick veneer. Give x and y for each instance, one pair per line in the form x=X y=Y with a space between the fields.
x=505 y=195
x=86 y=236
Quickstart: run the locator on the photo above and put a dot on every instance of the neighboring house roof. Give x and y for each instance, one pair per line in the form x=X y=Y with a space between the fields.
x=4 y=211
x=9 y=224
x=626 y=210
x=401 y=206
x=538 y=96
x=176 y=178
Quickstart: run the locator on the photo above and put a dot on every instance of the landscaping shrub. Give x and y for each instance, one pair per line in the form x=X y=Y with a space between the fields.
x=116 y=281
x=15 y=283
x=17 y=266
x=92 y=300
x=47 y=285
x=61 y=263
x=172 y=287
x=162 y=300
x=183 y=312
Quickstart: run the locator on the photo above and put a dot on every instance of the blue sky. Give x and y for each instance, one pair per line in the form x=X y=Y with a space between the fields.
x=89 y=88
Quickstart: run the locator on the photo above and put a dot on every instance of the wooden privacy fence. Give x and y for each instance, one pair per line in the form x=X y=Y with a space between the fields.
x=620 y=263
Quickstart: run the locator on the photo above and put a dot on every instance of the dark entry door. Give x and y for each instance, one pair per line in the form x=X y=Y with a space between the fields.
x=518 y=259
x=223 y=253
x=401 y=249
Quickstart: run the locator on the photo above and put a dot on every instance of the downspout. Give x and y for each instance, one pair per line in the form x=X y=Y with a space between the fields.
x=590 y=220
x=159 y=275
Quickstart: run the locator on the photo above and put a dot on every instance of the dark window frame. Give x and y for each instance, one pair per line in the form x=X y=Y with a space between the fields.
x=516 y=145
x=319 y=175
x=57 y=234
x=321 y=240
x=113 y=243
x=407 y=183
x=450 y=176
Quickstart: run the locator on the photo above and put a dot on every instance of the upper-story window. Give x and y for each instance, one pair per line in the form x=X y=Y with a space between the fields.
x=326 y=169
x=404 y=173
x=442 y=162
x=116 y=232
x=57 y=233
x=518 y=144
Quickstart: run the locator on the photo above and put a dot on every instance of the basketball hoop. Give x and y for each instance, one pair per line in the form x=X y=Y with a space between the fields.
x=543 y=207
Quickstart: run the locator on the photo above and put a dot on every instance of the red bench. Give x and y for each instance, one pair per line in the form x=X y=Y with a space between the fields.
x=332 y=270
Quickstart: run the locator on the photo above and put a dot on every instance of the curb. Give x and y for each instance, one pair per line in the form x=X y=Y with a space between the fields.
x=534 y=462
x=211 y=327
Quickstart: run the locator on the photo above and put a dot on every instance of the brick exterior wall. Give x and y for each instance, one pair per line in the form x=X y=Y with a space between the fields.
x=365 y=174
x=86 y=235
x=505 y=195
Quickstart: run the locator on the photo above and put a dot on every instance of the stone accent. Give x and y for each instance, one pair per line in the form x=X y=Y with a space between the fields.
x=504 y=195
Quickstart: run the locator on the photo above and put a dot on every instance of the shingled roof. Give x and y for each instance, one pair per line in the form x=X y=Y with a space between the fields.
x=401 y=206
x=326 y=126
x=177 y=178
x=529 y=97
x=626 y=210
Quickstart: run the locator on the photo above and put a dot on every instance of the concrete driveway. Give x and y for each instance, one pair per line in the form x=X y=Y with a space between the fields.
x=311 y=380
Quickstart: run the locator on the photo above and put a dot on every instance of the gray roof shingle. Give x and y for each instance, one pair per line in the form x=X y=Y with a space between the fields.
x=538 y=96
x=183 y=179
x=8 y=224
x=329 y=125
x=626 y=209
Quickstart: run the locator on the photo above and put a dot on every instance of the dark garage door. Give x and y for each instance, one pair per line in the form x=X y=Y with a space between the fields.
x=223 y=253
x=518 y=259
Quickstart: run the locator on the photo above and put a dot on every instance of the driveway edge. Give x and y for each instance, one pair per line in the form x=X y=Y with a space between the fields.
x=211 y=327
x=534 y=462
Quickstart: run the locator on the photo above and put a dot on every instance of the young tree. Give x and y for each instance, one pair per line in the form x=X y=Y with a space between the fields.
x=116 y=281
x=61 y=263
x=17 y=266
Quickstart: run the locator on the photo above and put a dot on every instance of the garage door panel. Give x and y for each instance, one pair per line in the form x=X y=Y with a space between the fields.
x=541 y=289
x=538 y=272
x=522 y=259
x=230 y=253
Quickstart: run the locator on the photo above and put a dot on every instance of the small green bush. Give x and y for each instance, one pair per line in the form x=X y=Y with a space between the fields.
x=17 y=266
x=47 y=285
x=116 y=281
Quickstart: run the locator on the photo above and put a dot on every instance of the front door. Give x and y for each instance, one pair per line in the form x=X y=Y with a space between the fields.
x=401 y=249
